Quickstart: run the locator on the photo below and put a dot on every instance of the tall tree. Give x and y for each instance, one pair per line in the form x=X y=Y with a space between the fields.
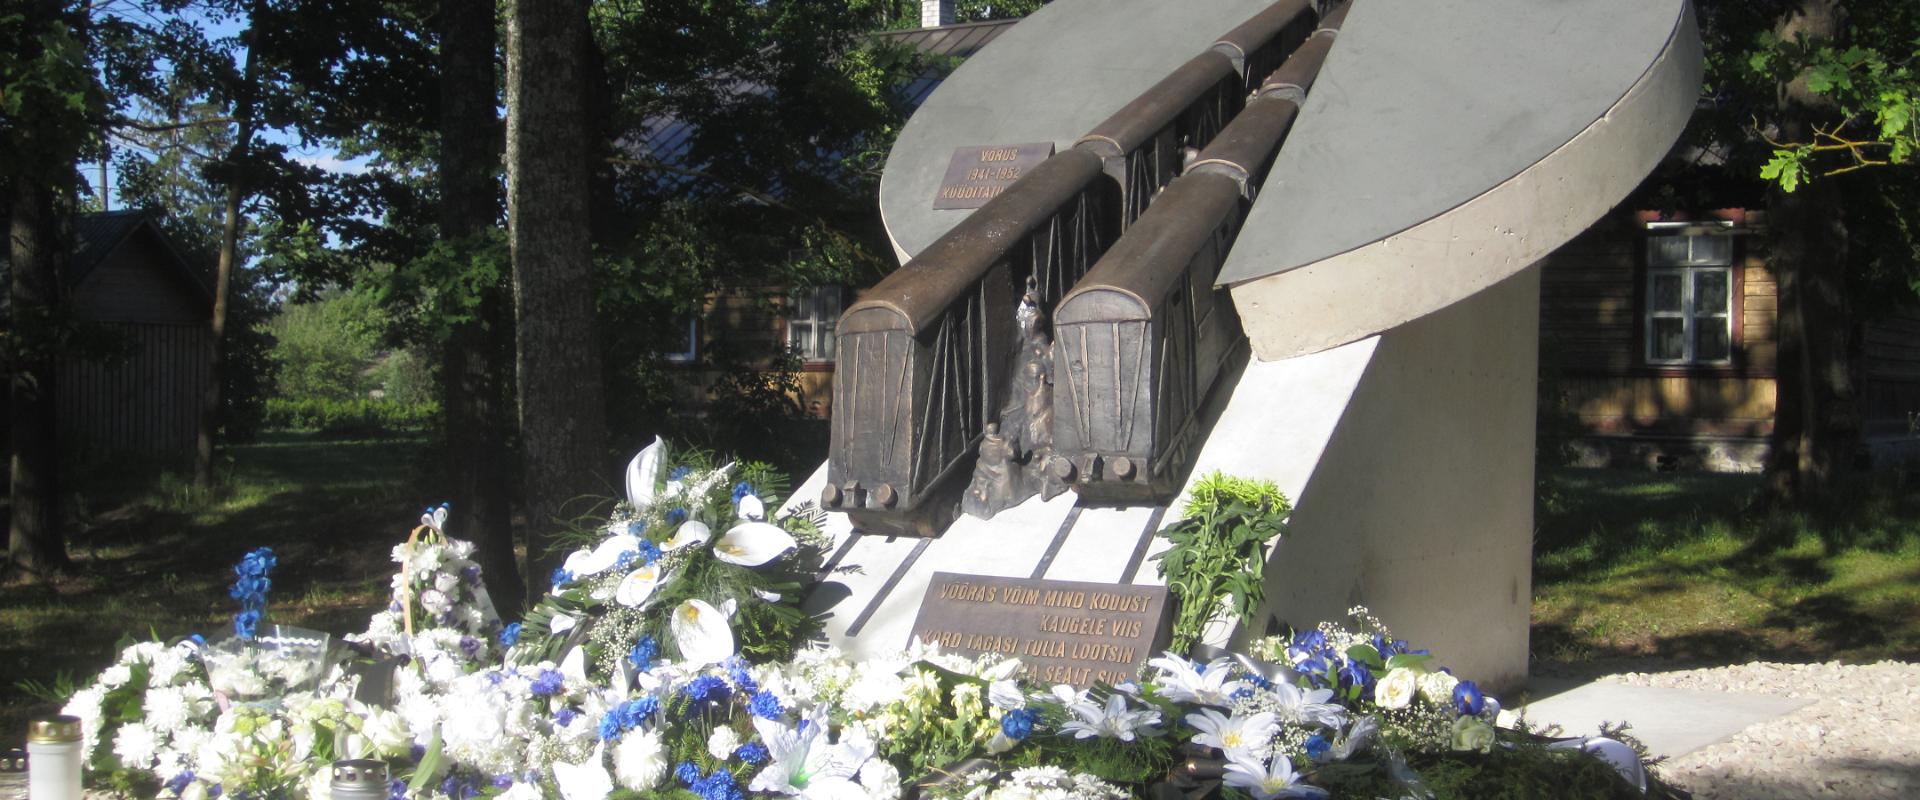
x=47 y=103
x=561 y=402
x=475 y=366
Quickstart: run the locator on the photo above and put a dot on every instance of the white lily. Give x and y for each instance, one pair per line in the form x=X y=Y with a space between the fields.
x=751 y=508
x=638 y=586
x=435 y=518
x=561 y=623
x=643 y=473
x=751 y=544
x=573 y=669
x=1005 y=694
x=1238 y=737
x=1307 y=706
x=1114 y=720
x=587 y=780
x=691 y=532
x=1275 y=778
x=1182 y=682
x=702 y=633
x=582 y=563
x=802 y=762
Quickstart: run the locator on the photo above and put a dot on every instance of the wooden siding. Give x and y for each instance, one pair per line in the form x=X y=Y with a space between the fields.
x=749 y=321
x=1672 y=406
x=132 y=284
x=1890 y=374
x=147 y=403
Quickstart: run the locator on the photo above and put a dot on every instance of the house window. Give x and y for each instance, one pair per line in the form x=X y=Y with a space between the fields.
x=689 y=345
x=810 y=320
x=1689 y=311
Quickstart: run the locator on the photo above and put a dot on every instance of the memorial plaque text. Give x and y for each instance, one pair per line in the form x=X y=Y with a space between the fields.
x=977 y=174
x=1066 y=631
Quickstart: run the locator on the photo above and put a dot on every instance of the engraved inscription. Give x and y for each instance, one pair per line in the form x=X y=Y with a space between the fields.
x=978 y=174
x=1067 y=632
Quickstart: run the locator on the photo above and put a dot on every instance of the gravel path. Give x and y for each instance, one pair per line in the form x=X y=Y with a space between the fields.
x=1860 y=738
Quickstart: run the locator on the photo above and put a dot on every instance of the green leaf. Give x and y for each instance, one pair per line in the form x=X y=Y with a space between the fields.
x=423 y=774
x=1409 y=661
x=1365 y=654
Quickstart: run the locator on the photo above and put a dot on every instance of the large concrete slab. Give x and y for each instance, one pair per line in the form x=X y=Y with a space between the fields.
x=1672 y=722
x=1448 y=145
x=1050 y=79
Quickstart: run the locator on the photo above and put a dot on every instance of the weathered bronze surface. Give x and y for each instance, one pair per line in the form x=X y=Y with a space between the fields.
x=978 y=174
x=1264 y=40
x=1069 y=632
x=1017 y=446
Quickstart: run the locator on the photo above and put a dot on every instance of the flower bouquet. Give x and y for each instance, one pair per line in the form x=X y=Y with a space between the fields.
x=256 y=663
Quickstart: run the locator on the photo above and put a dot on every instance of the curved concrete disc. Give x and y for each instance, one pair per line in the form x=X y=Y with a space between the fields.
x=1448 y=144
x=1051 y=78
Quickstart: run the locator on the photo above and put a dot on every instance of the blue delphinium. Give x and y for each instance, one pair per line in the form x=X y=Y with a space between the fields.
x=1354 y=673
x=251 y=589
x=765 y=705
x=1468 y=699
x=510 y=635
x=1018 y=724
x=548 y=683
x=643 y=653
x=742 y=489
x=737 y=673
x=751 y=752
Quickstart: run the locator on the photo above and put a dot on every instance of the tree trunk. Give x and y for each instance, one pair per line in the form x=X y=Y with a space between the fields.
x=475 y=364
x=1816 y=417
x=562 y=412
x=35 y=543
x=237 y=190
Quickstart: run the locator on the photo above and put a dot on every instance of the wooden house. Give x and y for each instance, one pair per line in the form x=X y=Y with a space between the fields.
x=1658 y=344
x=129 y=281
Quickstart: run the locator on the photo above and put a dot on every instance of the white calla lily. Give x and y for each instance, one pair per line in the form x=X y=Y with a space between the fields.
x=691 y=532
x=752 y=544
x=702 y=633
x=561 y=623
x=643 y=473
x=587 y=780
x=602 y=557
x=751 y=508
x=573 y=669
x=435 y=518
x=638 y=586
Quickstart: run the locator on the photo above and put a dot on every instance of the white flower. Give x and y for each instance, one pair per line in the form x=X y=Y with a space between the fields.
x=880 y=779
x=639 y=761
x=587 y=780
x=116 y=676
x=1238 y=737
x=802 y=762
x=386 y=733
x=1472 y=733
x=643 y=473
x=584 y=563
x=1298 y=706
x=638 y=586
x=1437 y=688
x=701 y=632
x=691 y=532
x=561 y=623
x=1181 y=682
x=1005 y=694
x=1355 y=740
x=1114 y=720
x=136 y=744
x=436 y=602
x=168 y=667
x=722 y=743
x=435 y=518
x=752 y=508
x=168 y=708
x=1265 y=782
x=1397 y=689
x=751 y=544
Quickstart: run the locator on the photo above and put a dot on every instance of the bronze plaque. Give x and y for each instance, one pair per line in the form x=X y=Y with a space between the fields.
x=977 y=174
x=1066 y=631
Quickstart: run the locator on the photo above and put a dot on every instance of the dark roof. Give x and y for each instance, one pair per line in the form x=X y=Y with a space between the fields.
x=97 y=235
x=669 y=140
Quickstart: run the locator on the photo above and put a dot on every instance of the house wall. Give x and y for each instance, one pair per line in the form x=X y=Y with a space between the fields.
x=1890 y=388
x=1614 y=408
x=748 y=321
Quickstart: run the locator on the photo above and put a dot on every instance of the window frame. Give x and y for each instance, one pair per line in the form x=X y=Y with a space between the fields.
x=1689 y=271
x=816 y=323
x=692 y=353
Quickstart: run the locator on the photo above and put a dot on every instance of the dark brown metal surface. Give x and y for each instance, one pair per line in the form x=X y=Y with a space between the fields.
x=1071 y=632
x=1247 y=147
x=1263 y=41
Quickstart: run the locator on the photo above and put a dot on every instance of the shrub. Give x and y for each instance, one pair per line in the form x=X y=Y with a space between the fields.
x=359 y=416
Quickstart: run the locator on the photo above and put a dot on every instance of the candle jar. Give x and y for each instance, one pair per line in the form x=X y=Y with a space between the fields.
x=360 y=779
x=53 y=758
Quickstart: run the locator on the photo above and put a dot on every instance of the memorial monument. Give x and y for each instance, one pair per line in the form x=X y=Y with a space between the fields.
x=1278 y=240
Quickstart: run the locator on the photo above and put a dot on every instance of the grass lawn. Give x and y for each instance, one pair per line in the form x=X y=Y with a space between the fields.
x=1670 y=565
x=152 y=559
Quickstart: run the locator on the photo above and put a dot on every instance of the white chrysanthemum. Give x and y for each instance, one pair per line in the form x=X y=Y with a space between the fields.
x=116 y=676
x=873 y=686
x=446 y=581
x=722 y=743
x=167 y=708
x=435 y=601
x=880 y=779
x=1397 y=689
x=639 y=761
x=167 y=668
x=1437 y=688
x=136 y=744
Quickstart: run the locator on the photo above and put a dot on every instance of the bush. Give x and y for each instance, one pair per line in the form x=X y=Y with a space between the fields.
x=361 y=416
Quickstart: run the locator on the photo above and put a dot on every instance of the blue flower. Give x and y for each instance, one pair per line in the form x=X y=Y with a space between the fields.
x=676 y=516
x=643 y=653
x=564 y=717
x=625 y=560
x=560 y=577
x=706 y=687
x=679 y=472
x=178 y=783
x=737 y=673
x=649 y=551
x=634 y=712
x=1243 y=692
x=1354 y=673
x=1317 y=746
x=1018 y=724
x=742 y=489
x=637 y=527
x=751 y=752
x=610 y=727
x=470 y=646
x=503 y=780
x=245 y=622
x=397 y=789
x=471 y=574
x=687 y=773
x=548 y=683
x=765 y=705
x=1468 y=699
x=510 y=635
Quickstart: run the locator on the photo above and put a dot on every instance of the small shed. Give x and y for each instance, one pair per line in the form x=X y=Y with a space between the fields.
x=129 y=280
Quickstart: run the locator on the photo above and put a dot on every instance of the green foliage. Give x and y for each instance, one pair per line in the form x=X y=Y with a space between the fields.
x=359 y=416
x=1219 y=551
